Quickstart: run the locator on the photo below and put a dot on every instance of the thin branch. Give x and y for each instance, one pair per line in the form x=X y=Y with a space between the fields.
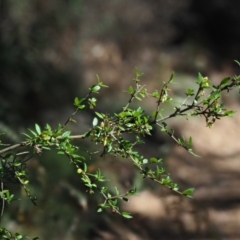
x=26 y=143
x=133 y=95
x=3 y=202
x=22 y=144
x=69 y=119
x=76 y=111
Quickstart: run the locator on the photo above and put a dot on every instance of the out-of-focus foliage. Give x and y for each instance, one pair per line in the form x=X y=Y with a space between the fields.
x=213 y=24
x=36 y=55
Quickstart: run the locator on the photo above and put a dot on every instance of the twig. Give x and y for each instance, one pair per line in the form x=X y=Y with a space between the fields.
x=22 y=144
x=3 y=202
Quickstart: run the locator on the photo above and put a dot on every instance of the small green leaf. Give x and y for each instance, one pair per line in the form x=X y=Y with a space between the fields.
x=188 y=191
x=229 y=113
x=100 y=115
x=38 y=129
x=237 y=62
x=138 y=98
x=76 y=101
x=66 y=134
x=81 y=107
x=130 y=90
x=95 y=88
x=18 y=236
x=190 y=92
x=60 y=153
x=156 y=94
x=102 y=85
x=98 y=78
x=164 y=127
x=126 y=215
x=145 y=161
x=33 y=133
x=99 y=210
x=116 y=190
x=17 y=164
x=137 y=73
x=95 y=122
x=191 y=152
x=26 y=135
x=153 y=160
x=132 y=191
x=109 y=149
x=200 y=78
x=85 y=167
x=93 y=100
x=171 y=77
x=225 y=81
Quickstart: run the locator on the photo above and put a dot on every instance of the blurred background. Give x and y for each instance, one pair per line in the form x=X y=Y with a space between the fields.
x=51 y=51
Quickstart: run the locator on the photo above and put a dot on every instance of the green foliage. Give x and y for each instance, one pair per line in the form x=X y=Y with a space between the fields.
x=7 y=235
x=115 y=134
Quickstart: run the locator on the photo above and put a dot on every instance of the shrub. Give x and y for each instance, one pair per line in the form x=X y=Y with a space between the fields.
x=115 y=134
